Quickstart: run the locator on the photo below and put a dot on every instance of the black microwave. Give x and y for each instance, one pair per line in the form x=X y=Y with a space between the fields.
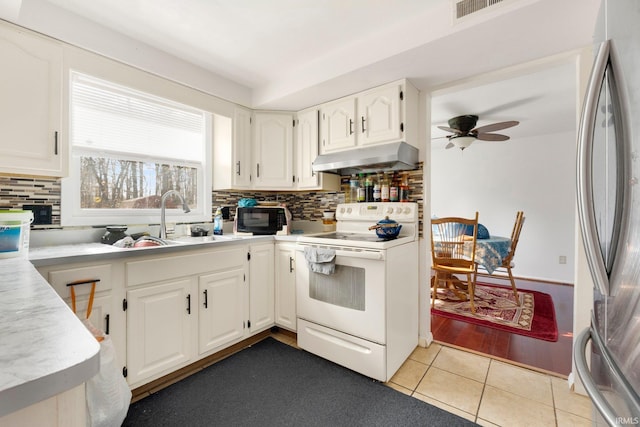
x=261 y=220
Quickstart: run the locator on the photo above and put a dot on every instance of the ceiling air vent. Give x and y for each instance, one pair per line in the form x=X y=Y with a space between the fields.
x=467 y=7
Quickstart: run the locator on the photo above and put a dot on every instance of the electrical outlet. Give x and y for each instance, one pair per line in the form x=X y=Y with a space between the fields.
x=562 y=259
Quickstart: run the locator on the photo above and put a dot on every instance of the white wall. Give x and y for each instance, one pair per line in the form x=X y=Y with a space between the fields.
x=535 y=175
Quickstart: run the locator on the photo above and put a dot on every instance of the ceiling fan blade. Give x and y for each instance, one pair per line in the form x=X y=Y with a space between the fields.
x=449 y=145
x=448 y=129
x=496 y=126
x=492 y=137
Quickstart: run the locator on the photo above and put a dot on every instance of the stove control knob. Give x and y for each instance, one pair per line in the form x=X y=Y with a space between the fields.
x=348 y=210
x=407 y=211
x=389 y=210
x=399 y=210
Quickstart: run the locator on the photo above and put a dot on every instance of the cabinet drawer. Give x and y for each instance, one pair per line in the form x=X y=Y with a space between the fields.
x=60 y=278
x=166 y=268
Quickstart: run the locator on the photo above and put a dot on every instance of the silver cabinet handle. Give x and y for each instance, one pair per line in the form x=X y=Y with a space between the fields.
x=238 y=167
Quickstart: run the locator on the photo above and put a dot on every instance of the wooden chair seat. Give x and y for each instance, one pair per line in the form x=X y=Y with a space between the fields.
x=449 y=257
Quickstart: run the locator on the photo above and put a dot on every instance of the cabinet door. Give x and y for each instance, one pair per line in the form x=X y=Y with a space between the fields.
x=241 y=148
x=379 y=115
x=338 y=127
x=307 y=150
x=106 y=313
x=273 y=149
x=285 y=286
x=159 y=326
x=30 y=105
x=221 y=312
x=261 y=281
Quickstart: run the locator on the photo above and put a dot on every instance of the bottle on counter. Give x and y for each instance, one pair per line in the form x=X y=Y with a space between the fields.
x=394 y=192
x=217 y=222
x=384 y=189
x=377 y=194
x=361 y=190
x=354 y=186
x=368 y=188
x=404 y=188
x=346 y=190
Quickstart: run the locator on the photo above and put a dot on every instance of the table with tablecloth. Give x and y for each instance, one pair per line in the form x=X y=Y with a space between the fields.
x=490 y=252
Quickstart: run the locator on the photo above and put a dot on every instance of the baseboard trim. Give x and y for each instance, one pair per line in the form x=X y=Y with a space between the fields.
x=533 y=279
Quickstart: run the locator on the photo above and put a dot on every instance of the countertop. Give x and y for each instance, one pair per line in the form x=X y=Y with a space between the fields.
x=45 y=349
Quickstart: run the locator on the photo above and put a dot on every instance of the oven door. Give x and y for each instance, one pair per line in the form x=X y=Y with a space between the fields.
x=352 y=299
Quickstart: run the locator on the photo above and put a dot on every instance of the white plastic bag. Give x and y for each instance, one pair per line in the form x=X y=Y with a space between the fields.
x=108 y=394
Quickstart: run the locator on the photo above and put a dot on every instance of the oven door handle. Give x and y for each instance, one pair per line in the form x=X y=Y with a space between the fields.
x=373 y=255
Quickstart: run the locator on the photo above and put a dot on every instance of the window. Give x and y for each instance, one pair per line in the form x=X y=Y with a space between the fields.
x=127 y=149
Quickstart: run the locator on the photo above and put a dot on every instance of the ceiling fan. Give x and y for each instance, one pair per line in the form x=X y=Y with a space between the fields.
x=465 y=132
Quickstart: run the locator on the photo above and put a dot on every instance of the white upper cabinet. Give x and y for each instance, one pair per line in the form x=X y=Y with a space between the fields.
x=338 y=125
x=380 y=115
x=273 y=151
x=306 y=151
x=232 y=150
x=242 y=148
x=31 y=104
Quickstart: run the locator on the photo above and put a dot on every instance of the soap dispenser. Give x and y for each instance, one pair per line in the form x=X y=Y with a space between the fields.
x=217 y=222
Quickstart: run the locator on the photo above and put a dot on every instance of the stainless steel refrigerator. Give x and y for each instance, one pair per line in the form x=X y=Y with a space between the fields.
x=609 y=211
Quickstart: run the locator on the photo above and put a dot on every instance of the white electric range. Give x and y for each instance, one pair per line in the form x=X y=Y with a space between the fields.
x=363 y=315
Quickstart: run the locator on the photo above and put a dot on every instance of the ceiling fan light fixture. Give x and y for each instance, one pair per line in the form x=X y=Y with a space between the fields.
x=462 y=141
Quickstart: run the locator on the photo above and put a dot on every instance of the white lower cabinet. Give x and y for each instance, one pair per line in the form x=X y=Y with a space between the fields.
x=285 y=286
x=261 y=280
x=164 y=312
x=160 y=321
x=185 y=306
x=221 y=311
x=106 y=313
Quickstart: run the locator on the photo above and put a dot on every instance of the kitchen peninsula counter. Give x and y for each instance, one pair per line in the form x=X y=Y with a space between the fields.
x=45 y=349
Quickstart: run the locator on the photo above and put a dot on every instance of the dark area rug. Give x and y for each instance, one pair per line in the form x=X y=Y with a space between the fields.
x=496 y=307
x=273 y=384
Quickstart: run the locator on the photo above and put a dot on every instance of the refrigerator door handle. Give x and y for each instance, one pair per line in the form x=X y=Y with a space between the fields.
x=590 y=386
x=584 y=170
x=623 y=388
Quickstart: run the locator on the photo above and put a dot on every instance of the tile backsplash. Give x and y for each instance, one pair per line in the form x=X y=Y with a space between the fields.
x=16 y=191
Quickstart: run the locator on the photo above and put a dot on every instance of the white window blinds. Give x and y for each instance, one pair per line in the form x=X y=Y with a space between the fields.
x=120 y=121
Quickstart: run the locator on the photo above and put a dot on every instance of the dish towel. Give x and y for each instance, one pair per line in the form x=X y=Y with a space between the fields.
x=319 y=260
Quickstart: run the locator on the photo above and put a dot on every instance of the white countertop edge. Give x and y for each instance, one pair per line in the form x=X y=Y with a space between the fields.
x=45 y=348
x=37 y=390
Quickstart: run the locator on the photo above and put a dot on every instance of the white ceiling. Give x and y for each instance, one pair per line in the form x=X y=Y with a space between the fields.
x=291 y=54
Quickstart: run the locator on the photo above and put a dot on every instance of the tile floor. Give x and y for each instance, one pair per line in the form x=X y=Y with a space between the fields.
x=487 y=391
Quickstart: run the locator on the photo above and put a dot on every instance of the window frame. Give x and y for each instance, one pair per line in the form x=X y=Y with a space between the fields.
x=71 y=213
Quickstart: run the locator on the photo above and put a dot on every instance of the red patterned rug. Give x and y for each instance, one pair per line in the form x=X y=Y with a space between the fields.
x=496 y=308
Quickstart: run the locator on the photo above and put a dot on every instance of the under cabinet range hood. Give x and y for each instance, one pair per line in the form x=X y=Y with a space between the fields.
x=393 y=156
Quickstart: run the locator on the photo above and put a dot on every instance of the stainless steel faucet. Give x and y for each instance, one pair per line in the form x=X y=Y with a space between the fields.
x=163 y=222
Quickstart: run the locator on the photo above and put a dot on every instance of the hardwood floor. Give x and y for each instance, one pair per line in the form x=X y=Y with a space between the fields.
x=554 y=357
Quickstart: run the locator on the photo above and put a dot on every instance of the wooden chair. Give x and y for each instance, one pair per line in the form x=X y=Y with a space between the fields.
x=450 y=257
x=507 y=261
